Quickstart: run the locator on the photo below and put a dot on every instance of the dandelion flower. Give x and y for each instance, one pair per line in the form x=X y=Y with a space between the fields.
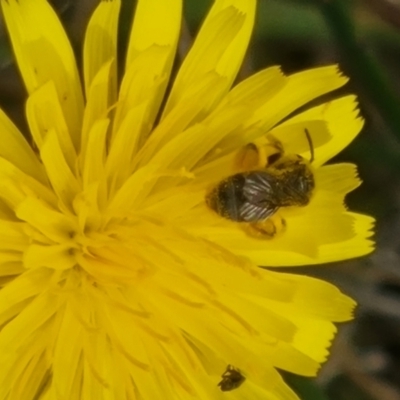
x=118 y=281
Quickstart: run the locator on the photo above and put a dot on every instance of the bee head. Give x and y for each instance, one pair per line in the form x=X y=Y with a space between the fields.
x=289 y=161
x=299 y=183
x=280 y=161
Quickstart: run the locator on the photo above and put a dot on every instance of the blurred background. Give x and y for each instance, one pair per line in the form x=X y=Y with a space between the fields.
x=363 y=37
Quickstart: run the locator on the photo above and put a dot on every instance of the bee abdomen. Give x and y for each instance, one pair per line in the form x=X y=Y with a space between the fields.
x=227 y=198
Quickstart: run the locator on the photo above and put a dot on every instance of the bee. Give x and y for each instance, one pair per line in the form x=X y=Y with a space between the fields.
x=256 y=195
x=231 y=379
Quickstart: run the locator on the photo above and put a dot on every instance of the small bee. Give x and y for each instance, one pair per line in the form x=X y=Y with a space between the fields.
x=256 y=195
x=231 y=379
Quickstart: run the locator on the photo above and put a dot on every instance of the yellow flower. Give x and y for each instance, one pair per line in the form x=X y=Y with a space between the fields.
x=118 y=282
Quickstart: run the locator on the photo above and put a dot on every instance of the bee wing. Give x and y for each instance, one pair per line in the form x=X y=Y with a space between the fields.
x=258 y=186
x=258 y=191
x=252 y=213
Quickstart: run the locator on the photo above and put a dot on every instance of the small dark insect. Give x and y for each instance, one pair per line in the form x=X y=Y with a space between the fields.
x=254 y=196
x=231 y=379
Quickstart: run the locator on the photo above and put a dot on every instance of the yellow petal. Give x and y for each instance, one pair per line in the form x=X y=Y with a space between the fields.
x=31 y=283
x=338 y=179
x=6 y=212
x=17 y=151
x=220 y=46
x=12 y=236
x=287 y=357
x=101 y=42
x=316 y=303
x=197 y=104
x=232 y=58
x=119 y=165
x=44 y=54
x=349 y=239
x=17 y=185
x=56 y=226
x=156 y=23
x=62 y=178
x=99 y=373
x=128 y=197
x=325 y=215
x=100 y=101
x=319 y=299
x=192 y=145
x=67 y=362
x=151 y=52
x=22 y=369
x=292 y=135
x=143 y=83
x=301 y=88
x=285 y=94
x=89 y=203
x=314 y=336
x=253 y=92
x=357 y=245
x=44 y=114
x=10 y=268
x=58 y=257
x=276 y=390
x=94 y=156
x=21 y=289
x=209 y=138
x=340 y=118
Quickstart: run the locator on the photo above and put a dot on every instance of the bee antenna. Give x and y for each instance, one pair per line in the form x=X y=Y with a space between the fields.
x=310 y=143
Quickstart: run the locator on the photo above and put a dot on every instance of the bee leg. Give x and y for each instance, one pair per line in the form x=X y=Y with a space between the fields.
x=261 y=230
x=247 y=157
x=267 y=229
x=274 y=142
x=259 y=154
x=254 y=156
x=275 y=150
